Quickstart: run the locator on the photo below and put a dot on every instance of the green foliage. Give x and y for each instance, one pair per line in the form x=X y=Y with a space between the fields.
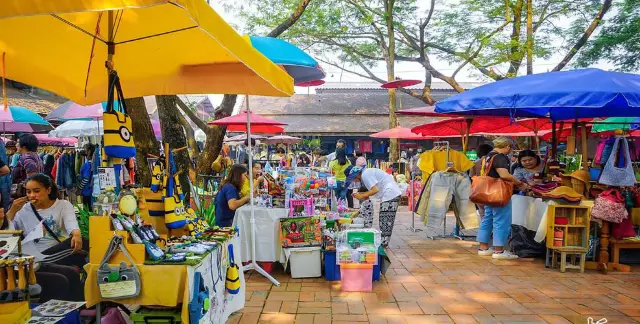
x=83 y=220
x=312 y=143
x=619 y=40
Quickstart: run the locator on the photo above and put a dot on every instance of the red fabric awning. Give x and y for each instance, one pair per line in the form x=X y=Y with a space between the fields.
x=259 y=124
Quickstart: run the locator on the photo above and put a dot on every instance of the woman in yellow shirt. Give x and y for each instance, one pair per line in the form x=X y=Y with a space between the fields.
x=257 y=180
x=337 y=168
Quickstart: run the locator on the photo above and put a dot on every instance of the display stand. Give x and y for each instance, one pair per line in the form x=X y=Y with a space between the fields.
x=254 y=264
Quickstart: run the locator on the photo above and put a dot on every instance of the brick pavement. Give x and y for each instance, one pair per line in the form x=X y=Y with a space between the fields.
x=444 y=281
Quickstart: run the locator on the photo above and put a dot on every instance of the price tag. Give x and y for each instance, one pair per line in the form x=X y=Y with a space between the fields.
x=107 y=177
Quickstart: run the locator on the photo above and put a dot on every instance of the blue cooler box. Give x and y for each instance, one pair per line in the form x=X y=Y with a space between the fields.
x=332 y=270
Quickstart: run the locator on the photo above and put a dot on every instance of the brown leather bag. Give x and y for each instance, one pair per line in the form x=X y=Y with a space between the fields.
x=486 y=190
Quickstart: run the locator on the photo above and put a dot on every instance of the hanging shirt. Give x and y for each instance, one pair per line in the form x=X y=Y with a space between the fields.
x=432 y=161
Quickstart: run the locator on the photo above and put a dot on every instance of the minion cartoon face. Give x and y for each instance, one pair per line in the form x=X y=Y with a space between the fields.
x=118 y=138
x=175 y=214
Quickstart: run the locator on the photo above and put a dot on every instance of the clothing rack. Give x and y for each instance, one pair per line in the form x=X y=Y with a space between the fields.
x=442 y=146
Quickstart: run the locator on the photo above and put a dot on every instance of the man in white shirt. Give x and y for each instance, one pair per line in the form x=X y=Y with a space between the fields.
x=381 y=186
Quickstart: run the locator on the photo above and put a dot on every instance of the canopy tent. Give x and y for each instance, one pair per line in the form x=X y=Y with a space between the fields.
x=564 y=95
x=158 y=47
x=259 y=124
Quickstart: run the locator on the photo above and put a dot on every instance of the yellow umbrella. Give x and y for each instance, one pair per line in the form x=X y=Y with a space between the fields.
x=158 y=46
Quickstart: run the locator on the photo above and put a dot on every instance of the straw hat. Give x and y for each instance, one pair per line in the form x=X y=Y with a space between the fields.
x=580 y=181
x=563 y=192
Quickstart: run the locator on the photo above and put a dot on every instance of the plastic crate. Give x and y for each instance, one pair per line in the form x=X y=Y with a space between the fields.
x=156 y=316
x=356 y=277
x=305 y=262
x=332 y=270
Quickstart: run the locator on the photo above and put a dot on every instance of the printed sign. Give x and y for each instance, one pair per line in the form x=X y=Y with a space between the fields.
x=107 y=177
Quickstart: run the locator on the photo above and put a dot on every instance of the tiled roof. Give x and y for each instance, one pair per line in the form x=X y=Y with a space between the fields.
x=343 y=125
x=347 y=103
x=37 y=101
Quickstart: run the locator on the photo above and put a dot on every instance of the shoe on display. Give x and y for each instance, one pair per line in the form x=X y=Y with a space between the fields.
x=504 y=255
x=486 y=252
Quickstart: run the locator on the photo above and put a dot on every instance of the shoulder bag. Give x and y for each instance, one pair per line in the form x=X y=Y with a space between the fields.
x=486 y=190
x=118 y=136
x=46 y=227
x=117 y=282
x=614 y=175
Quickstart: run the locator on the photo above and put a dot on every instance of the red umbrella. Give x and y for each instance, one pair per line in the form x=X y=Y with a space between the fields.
x=398 y=133
x=259 y=124
x=400 y=84
x=313 y=83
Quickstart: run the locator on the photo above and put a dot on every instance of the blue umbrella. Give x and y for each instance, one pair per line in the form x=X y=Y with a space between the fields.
x=299 y=65
x=561 y=95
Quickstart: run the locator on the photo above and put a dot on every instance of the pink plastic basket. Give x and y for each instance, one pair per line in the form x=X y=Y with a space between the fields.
x=307 y=204
x=356 y=277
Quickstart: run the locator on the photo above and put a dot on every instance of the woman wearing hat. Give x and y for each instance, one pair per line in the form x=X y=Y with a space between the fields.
x=497 y=220
x=379 y=185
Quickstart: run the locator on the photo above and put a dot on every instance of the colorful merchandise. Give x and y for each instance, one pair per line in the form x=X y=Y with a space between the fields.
x=200 y=303
x=301 y=232
x=618 y=171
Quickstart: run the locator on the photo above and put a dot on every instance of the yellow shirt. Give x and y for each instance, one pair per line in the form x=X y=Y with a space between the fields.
x=432 y=161
x=338 y=170
x=246 y=189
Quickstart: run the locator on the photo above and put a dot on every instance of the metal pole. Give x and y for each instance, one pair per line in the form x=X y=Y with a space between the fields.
x=254 y=263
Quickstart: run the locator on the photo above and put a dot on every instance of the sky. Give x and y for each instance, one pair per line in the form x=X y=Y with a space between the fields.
x=405 y=70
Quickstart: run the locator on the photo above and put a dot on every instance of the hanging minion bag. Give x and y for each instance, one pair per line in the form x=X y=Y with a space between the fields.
x=174 y=210
x=118 y=136
x=154 y=195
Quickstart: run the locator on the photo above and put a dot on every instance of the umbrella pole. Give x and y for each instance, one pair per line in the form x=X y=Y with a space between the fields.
x=254 y=263
x=583 y=145
x=552 y=152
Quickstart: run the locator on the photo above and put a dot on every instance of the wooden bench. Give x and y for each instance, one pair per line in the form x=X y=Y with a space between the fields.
x=573 y=253
x=617 y=245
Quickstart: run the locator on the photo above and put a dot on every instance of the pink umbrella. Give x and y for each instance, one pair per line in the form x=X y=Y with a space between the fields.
x=399 y=133
x=71 y=110
x=46 y=140
x=283 y=139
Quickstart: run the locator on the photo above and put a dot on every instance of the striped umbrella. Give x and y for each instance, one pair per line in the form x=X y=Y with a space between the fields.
x=19 y=119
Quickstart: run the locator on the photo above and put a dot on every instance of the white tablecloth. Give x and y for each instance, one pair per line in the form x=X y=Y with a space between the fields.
x=222 y=303
x=267 y=227
x=531 y=213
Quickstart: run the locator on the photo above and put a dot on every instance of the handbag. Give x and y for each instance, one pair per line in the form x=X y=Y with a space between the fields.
x=118 y=138
x=117 y=282
x=623 y=229
x=609 y=206
x=232 y=282
x=486 y=190
x=612 y=174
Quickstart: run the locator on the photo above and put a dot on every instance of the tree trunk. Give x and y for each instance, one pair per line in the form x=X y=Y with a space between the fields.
x=145 y=140
x=173 y=134
x=516 y=49
x=394 y=149
x=193 y=150
x=529 y=36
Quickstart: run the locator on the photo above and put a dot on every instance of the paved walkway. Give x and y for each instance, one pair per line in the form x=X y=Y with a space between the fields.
x=444 y=281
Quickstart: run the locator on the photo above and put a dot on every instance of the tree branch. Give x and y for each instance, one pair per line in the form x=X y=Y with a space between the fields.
x=295 y=15
x=369 y=74
x=482 y=43
x=424 y=24
x=488 y=72
x=585 y=36
x=187 y=111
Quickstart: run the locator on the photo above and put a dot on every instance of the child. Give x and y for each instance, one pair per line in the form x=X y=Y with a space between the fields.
x=366 y=210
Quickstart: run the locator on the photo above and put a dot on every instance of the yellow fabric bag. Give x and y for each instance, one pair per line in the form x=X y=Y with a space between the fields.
x=232 y=282
x=118 y=136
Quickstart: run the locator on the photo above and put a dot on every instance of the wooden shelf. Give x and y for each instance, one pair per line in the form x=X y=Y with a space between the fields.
x=575 y=234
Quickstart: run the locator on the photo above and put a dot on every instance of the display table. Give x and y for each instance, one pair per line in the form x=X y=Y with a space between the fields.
x=267 y=232
x=531 y=213
x=171 y=285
